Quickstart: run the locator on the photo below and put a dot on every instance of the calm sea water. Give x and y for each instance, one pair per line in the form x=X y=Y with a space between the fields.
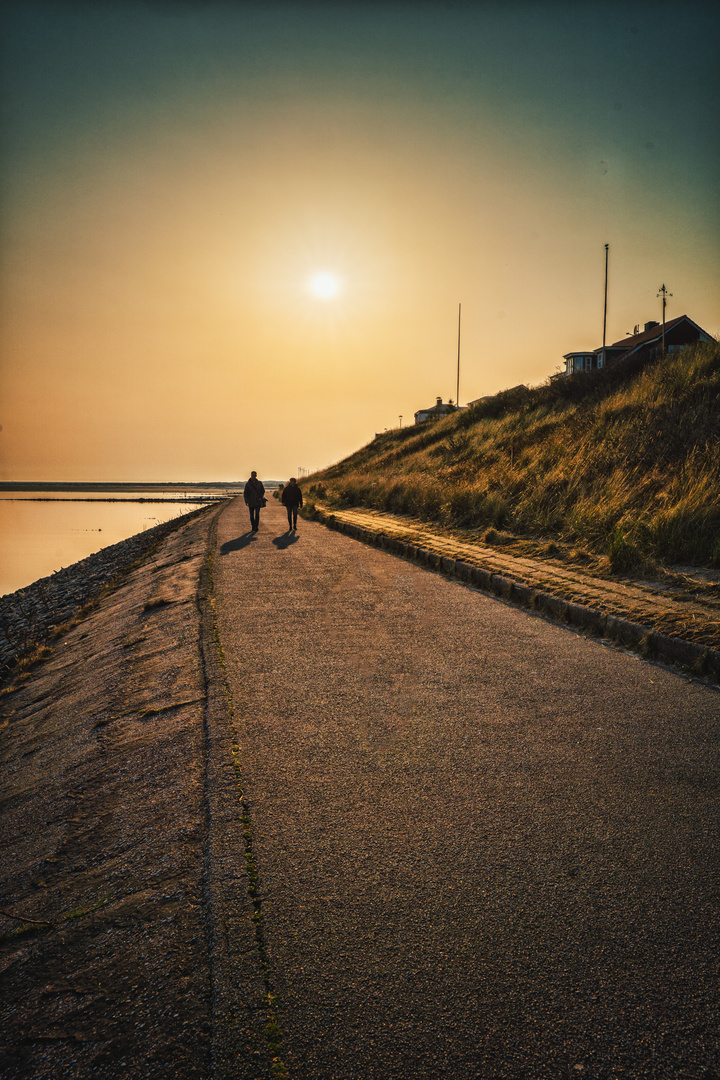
x=39 y=537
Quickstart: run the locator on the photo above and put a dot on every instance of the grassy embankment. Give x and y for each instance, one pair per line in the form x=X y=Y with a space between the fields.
x=621 y=471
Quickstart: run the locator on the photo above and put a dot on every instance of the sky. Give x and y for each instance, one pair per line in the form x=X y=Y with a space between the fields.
x=235 y=236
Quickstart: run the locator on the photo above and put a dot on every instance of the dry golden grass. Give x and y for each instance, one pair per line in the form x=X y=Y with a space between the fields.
x=627 y=466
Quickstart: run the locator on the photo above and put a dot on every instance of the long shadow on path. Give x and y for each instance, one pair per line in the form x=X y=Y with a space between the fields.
x=238 y=543
x=285 y=540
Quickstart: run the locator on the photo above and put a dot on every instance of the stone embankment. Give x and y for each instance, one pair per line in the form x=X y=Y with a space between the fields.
x=109 y=915
x=29 y=615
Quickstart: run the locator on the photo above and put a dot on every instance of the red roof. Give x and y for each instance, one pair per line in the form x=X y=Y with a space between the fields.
x=627 y=346
x=646 y=335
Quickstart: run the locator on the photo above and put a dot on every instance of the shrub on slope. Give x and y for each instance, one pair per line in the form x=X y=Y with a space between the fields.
x=627 y=468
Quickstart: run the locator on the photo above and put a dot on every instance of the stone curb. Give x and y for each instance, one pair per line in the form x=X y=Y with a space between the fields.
x=650 y=644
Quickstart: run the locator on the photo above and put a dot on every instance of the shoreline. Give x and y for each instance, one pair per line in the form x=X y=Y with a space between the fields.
x=222 y=487
x=188 y=499
x=33 y=613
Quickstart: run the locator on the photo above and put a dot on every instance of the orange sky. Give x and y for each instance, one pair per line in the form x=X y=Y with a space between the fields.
x=176 y=173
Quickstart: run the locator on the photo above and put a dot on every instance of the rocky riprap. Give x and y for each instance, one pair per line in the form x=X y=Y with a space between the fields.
x=29 y=615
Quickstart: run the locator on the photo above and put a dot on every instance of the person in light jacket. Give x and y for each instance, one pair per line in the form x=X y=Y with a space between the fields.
x=254 y=496
x=291 y=500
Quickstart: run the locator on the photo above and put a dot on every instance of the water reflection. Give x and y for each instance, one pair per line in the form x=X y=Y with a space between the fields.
x=39 y=535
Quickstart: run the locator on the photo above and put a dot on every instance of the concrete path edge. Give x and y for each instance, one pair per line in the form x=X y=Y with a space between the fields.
x=243 y=1024
x=691 y=657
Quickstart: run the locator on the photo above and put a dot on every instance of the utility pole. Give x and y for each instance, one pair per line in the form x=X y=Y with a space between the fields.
x=607 y=246
x=457 y=395
x=664 y=293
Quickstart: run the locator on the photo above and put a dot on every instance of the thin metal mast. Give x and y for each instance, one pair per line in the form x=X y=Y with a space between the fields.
x=457 y=396
x=605 y=307
x=664 y=293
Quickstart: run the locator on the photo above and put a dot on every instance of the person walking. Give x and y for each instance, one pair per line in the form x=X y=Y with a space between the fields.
x=292 y=500
x=254 y=496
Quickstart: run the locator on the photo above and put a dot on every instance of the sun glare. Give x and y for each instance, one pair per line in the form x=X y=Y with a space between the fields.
x=324 y=285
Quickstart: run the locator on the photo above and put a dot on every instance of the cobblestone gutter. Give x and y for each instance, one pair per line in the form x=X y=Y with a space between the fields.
x=30 y=614
x=692 y=657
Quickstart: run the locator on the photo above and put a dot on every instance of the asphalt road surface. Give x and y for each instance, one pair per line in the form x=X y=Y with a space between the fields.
x=488 y=846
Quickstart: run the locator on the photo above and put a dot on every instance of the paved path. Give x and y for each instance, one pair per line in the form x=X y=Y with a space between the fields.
x=687 y=608
x=488 y=847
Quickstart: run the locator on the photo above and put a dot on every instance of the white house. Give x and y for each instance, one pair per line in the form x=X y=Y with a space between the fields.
x=435 y=412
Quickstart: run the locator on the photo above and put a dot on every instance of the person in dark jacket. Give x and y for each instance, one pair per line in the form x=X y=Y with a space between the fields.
x=254 y=496
x=291 y=500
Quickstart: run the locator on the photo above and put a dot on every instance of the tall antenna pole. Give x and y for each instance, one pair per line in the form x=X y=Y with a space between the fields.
x=605 y=307
x=664 y=293
x=457 y=396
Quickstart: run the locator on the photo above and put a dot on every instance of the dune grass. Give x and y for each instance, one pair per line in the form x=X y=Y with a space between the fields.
x=623 y=464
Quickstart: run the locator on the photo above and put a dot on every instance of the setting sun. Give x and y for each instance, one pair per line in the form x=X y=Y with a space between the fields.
x=295 y=201
x=324 y=285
